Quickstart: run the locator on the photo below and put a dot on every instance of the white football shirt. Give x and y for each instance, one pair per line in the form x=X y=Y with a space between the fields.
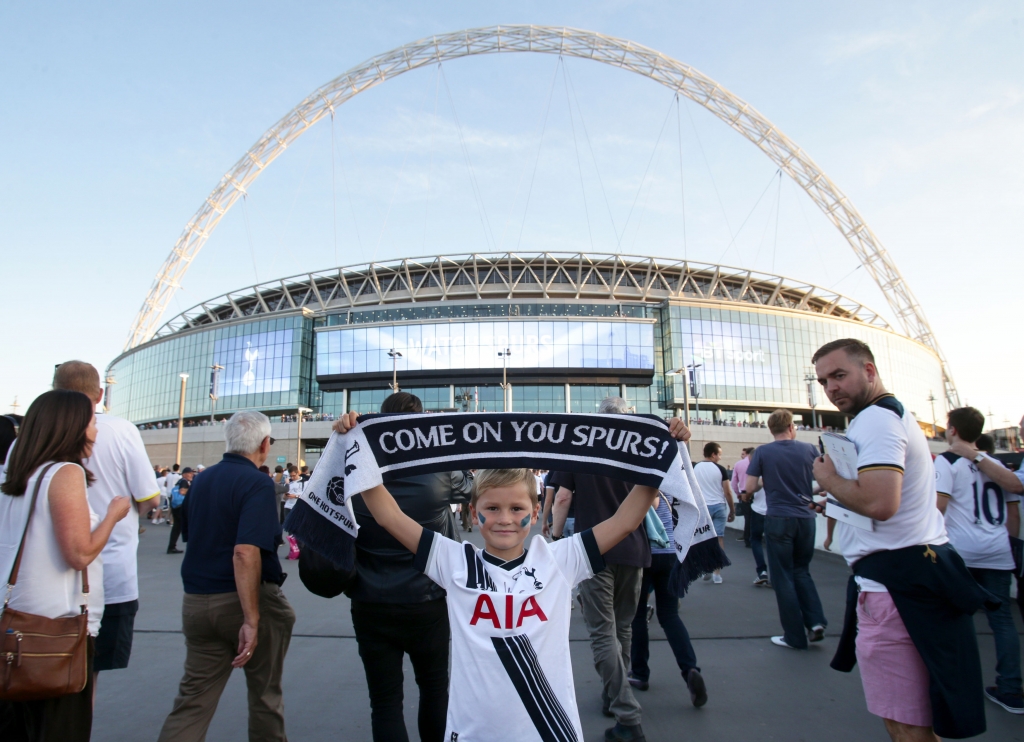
x=975 y=513
x=710 y=477
x=888 y=437
x=121 y=467
x=511 y=676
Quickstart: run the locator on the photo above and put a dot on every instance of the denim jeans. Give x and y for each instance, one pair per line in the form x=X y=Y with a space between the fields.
x=997 y=582
x=667 y=610
x=790 y=549
x=756 y=521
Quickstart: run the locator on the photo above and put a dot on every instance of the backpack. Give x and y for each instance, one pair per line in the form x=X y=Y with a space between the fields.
x=177 y=499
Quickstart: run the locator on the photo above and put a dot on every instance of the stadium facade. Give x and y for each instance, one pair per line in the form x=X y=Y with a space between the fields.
x=568 y=329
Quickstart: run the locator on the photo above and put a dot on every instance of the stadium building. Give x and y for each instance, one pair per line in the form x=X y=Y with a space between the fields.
x=566 y=330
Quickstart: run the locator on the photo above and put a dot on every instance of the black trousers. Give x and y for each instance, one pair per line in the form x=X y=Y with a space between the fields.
x=385 y=632
x=177 y=515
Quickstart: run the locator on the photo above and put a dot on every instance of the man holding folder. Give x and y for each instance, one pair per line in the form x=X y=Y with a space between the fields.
x=910 y=600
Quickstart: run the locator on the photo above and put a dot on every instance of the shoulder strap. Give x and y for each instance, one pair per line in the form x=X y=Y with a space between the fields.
x=13 y=577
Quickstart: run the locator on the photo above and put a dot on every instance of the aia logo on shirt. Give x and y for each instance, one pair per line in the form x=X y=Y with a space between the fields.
x=510 y=618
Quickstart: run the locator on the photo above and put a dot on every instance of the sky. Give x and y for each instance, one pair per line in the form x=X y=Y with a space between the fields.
x=118 y=120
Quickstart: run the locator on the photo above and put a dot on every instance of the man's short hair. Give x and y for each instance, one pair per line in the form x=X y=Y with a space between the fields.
x=401 y=402
x=278 y=469
x=245 y=431
x=613 y=406
x=968 y=421
x=854 y=348
x=710 y=449
x=749 y=450
x=488 y=479
x=986 y=443
x=779 y=421
x=78 y=376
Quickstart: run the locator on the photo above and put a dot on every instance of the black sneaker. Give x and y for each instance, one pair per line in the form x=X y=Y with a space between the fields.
x=175 y=551
x=1012 y=702
x=698 y=689
x=762 y=578
x=623 y=733
x=638 y=683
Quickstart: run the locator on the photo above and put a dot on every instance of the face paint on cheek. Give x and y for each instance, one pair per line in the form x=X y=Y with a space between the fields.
x=481 y=518
x=524 y=522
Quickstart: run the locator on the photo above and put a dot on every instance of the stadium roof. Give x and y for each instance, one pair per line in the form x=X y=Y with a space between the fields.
x=512 y=276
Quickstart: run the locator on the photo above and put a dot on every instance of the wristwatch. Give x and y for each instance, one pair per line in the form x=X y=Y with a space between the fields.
x=980 y=457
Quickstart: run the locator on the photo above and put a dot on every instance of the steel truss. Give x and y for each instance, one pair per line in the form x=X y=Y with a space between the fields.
x=682 y=78
x=511 y=276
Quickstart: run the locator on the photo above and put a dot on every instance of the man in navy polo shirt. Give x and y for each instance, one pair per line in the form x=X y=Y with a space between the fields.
x=233 y=613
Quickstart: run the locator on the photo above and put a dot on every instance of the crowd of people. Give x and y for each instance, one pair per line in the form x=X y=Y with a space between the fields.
x=941 y=542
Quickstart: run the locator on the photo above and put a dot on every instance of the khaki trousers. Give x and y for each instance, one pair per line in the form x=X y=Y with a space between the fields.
x=211 y=624
x=610 y=601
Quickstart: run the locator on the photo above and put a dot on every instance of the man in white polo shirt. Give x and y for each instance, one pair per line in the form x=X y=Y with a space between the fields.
x=121 y=467
x=978 y=510
x=913 y=597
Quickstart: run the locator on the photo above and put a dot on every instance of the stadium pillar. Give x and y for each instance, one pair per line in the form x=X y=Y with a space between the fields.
x=568 y=403
x=181 y=418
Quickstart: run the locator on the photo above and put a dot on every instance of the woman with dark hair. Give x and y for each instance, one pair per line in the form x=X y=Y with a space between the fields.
x=398 y=610
x=64 y=537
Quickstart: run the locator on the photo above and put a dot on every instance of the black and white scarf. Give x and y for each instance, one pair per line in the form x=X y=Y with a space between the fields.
x=383 y=447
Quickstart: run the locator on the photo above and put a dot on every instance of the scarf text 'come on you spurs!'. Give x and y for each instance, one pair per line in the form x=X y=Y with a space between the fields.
x=633 y=448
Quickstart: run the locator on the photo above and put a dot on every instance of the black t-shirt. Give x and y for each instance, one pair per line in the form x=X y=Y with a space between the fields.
x=230 y=503
x=595 y=499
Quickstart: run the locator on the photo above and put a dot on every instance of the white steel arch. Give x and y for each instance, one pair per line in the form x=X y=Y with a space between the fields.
x=682 y=78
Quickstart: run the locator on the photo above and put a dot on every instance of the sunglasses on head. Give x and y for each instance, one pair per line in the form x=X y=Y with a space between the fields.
x=273 y=440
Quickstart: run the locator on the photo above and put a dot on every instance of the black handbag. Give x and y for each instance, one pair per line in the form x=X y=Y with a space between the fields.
x=321 y=577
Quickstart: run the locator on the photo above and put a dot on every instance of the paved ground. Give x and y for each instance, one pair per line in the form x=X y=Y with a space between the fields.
x=757 y=690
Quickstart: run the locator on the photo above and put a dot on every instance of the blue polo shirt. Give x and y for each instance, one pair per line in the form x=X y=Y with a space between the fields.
x=785 y=470
x=230 y=503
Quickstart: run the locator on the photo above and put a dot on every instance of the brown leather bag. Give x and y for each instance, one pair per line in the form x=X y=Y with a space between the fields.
x=41 y=657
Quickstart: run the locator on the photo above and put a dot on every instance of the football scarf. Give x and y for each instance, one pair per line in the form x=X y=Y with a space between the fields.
x=633 y=448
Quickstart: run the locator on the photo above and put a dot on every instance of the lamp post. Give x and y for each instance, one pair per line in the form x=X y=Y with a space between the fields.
x=504 y=375
x=695 y=388
x=931 y=399
x=686 y=399
x=215 y=370
x=812 y=397
x=395 y=355
x=181 y=418
x=298 y=437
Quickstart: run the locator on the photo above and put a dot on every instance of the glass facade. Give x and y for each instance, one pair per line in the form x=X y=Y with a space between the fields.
x=750 y=360
x=471 y=345
x=267 y=365
x=760 y=359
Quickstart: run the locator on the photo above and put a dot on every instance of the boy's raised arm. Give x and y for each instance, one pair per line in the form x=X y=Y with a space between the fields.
x=382 y=505
x=627 y=518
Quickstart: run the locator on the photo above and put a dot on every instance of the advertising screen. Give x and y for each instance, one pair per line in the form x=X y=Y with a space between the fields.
x=254 y=363
x=471 y=345
x=733 y=353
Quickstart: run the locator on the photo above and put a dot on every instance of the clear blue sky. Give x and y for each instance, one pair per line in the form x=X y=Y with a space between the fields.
x=119 y=120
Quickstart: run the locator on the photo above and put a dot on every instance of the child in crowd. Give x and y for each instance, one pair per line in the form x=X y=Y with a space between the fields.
x=509 y=607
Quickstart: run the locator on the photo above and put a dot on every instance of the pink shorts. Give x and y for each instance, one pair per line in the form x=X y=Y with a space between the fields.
x=894 y=676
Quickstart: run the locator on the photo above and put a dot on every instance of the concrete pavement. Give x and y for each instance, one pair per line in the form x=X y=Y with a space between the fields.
x=756 y=690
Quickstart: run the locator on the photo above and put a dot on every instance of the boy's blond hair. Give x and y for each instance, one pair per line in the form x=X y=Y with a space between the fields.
x=487 y=479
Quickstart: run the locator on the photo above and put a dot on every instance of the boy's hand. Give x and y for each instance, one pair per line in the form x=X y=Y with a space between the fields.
x=346 y=422
x=678 y=429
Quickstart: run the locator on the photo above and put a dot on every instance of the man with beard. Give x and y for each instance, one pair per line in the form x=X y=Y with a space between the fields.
x=911 y=596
